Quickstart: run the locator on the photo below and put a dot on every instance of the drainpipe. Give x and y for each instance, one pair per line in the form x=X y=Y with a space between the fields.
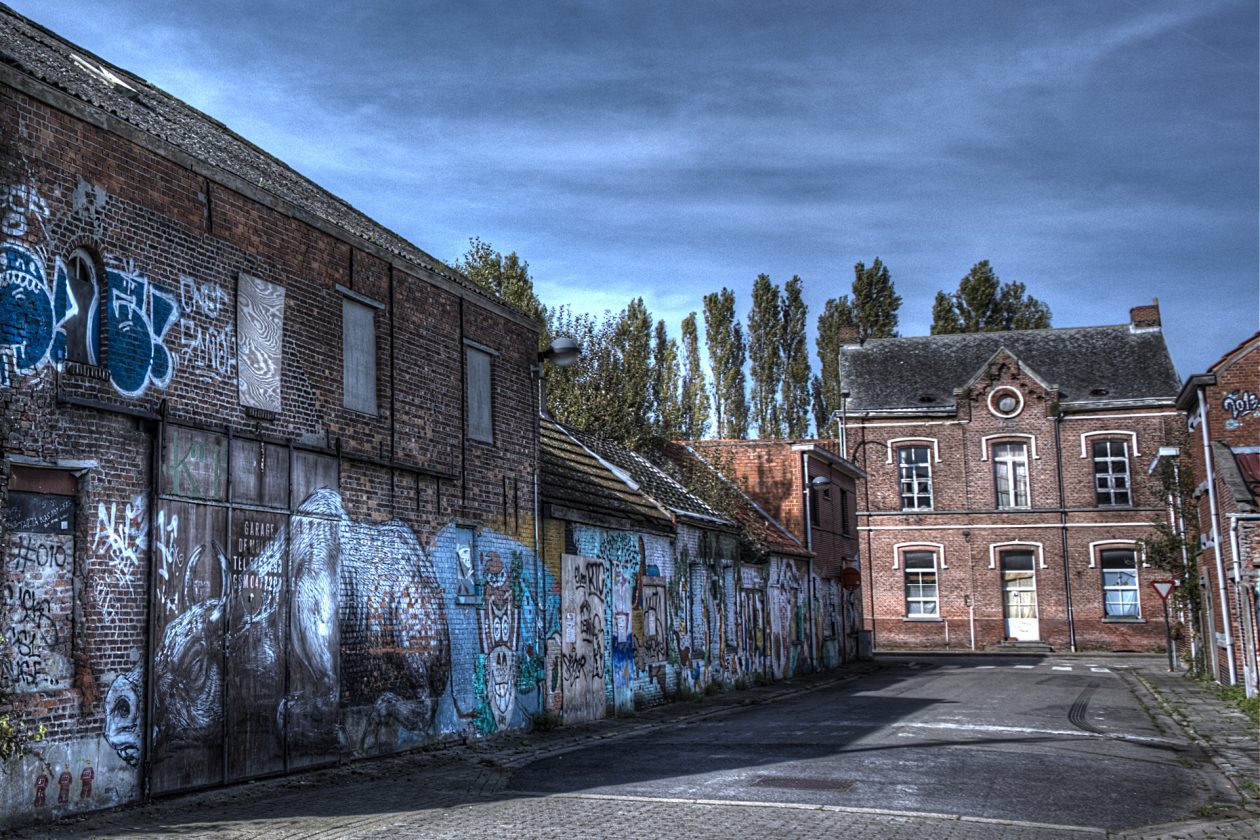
x=1063 y=530
x=809 y=546
x=1244 y=614
x=1216 y=540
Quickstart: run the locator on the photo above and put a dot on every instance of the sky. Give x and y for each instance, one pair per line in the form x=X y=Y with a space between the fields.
x=1103 y=153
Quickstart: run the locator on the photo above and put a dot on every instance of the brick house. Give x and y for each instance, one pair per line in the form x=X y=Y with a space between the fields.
x=812 y=492
x=1005 y=499
x=268 y=469
x=1223 y=455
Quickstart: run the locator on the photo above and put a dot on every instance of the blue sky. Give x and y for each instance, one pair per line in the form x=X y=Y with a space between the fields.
x=1102 y=152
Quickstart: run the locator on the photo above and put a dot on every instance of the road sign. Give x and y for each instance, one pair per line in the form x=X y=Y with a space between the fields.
x=1163 y=587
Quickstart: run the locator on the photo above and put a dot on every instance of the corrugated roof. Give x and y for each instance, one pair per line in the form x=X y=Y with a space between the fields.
x=43 y=55
x=572 y=477
x=922 y=373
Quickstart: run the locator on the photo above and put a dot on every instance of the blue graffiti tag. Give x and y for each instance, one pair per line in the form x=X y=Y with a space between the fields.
x=139 y=317
x=31 y=315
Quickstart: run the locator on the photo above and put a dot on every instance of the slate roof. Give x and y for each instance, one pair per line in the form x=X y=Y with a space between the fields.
x=656 y=482
x=572 y=477
x=1240 y=471
x=921 y=373
x=42 y=55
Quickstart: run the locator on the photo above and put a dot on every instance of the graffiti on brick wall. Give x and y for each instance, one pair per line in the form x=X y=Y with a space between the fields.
x=22 y=205
x=33 y=311
x=138 y=317
x=120 y=540
x=578 y=664
x=369 y=646
x=37 y=593
x=1240 y=405
x=207 y=333
x=787 y=618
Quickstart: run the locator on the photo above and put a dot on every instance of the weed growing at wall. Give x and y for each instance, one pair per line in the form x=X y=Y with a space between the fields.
x=16 y=737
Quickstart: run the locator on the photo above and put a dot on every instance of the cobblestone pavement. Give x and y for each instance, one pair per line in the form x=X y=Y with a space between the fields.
x=459 y=791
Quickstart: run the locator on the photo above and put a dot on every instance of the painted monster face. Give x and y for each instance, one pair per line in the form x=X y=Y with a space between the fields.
x=122 y=716
x=501 y=675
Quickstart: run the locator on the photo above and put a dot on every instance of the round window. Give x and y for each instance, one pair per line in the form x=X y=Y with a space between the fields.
x=1006 y=402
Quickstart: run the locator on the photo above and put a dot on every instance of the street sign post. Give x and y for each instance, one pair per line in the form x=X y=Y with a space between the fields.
x=1164 y=588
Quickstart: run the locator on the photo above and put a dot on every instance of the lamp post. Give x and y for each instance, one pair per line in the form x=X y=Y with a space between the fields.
x=561 y=352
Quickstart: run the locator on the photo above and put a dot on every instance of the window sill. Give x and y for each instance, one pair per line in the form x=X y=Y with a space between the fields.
x=923 y=620
x=1123 y=619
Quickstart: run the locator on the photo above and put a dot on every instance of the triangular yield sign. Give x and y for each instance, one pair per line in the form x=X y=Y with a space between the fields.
x=1163 y=587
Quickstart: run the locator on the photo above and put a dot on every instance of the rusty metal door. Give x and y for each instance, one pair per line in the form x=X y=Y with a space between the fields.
x=224 y=689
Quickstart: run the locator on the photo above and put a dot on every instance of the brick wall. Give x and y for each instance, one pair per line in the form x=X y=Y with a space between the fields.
x=411 y=512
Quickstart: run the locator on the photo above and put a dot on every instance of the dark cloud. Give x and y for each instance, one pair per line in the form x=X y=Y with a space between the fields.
x=1101 y=153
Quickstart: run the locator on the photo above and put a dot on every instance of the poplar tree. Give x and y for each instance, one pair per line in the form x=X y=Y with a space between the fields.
x=765 y=354
x=694 y=393
x=875 y=301
x=794 y=405
x=725 y=337
x=826 y=388
x=983 y=303
x=667 y=414
x=632 y=338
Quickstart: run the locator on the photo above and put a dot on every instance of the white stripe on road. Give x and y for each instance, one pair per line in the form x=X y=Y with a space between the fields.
x=1028 y=730
x=1101 y=670
x=1026 y=667
x=1060 y=667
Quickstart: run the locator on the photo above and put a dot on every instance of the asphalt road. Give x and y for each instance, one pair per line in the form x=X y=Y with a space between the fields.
x=941 y=747
x=1036 y=739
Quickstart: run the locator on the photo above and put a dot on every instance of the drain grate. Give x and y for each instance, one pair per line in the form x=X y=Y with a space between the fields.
x=802 y=783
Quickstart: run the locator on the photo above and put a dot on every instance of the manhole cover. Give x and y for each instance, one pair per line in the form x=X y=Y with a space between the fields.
x=799 y=783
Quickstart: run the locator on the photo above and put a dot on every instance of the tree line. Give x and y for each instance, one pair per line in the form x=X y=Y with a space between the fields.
x=636 y=383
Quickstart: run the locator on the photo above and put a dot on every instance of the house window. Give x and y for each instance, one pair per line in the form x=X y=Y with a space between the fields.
x=477 y=385
x=1120 y=583
x=82 y=341
x=1010 y=474
x=844 y=512
x=815 y=499
x=922 y=594
x=358 y=358
x=1111 y=472
x=915 y=471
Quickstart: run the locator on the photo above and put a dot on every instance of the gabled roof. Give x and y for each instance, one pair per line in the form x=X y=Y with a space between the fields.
x=576 y=484
x=655 y=482
x=1094 y=365
x=118 y=96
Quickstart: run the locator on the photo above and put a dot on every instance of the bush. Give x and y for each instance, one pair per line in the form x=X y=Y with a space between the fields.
x=714 y=687
x=742 y=684
x=762 y=679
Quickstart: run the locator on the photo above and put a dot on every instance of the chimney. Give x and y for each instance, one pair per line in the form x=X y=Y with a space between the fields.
x=1144 y=318
x=849 y=335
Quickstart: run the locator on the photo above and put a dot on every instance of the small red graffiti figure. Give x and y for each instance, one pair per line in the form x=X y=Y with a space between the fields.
x=85 y=778
x=63 y=784
x=41 y=786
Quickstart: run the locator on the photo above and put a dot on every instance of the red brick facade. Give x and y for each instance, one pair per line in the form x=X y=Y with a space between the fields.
x=986 y=566
x=1223 y=406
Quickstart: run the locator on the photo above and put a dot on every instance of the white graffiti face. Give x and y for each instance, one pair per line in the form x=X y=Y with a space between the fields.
x=122 y=716
x=501 y=678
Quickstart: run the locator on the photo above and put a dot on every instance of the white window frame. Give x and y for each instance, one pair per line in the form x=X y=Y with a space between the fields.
x=1108 y=433
x=1011 y=465
x=901 y=548
x=1136 y=588
x=902 y=480
x=1110 y=475
x=995 y=549
x=920 y=599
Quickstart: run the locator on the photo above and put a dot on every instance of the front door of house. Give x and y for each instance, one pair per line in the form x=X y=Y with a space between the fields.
x=1019 y=596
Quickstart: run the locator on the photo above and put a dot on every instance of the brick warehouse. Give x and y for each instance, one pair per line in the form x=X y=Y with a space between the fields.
x=268 y=469
x=1007 y=495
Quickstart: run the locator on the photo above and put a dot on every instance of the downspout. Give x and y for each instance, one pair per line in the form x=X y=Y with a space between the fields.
x=1244 y=614
x=1063 y=530
x=1216 y=539
x=809 y=546
x=1176 y=517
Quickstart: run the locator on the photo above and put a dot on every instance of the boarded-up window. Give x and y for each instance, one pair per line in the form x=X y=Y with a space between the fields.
x=480 y=407
x=359 y=355
x=260 y=337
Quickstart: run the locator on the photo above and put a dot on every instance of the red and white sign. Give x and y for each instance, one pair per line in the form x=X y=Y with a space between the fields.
x=1163 y=587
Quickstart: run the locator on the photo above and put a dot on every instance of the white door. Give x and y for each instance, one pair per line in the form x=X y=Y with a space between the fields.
x=1019 y=596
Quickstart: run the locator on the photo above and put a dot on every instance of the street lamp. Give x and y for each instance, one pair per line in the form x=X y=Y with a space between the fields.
x=561 y=352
